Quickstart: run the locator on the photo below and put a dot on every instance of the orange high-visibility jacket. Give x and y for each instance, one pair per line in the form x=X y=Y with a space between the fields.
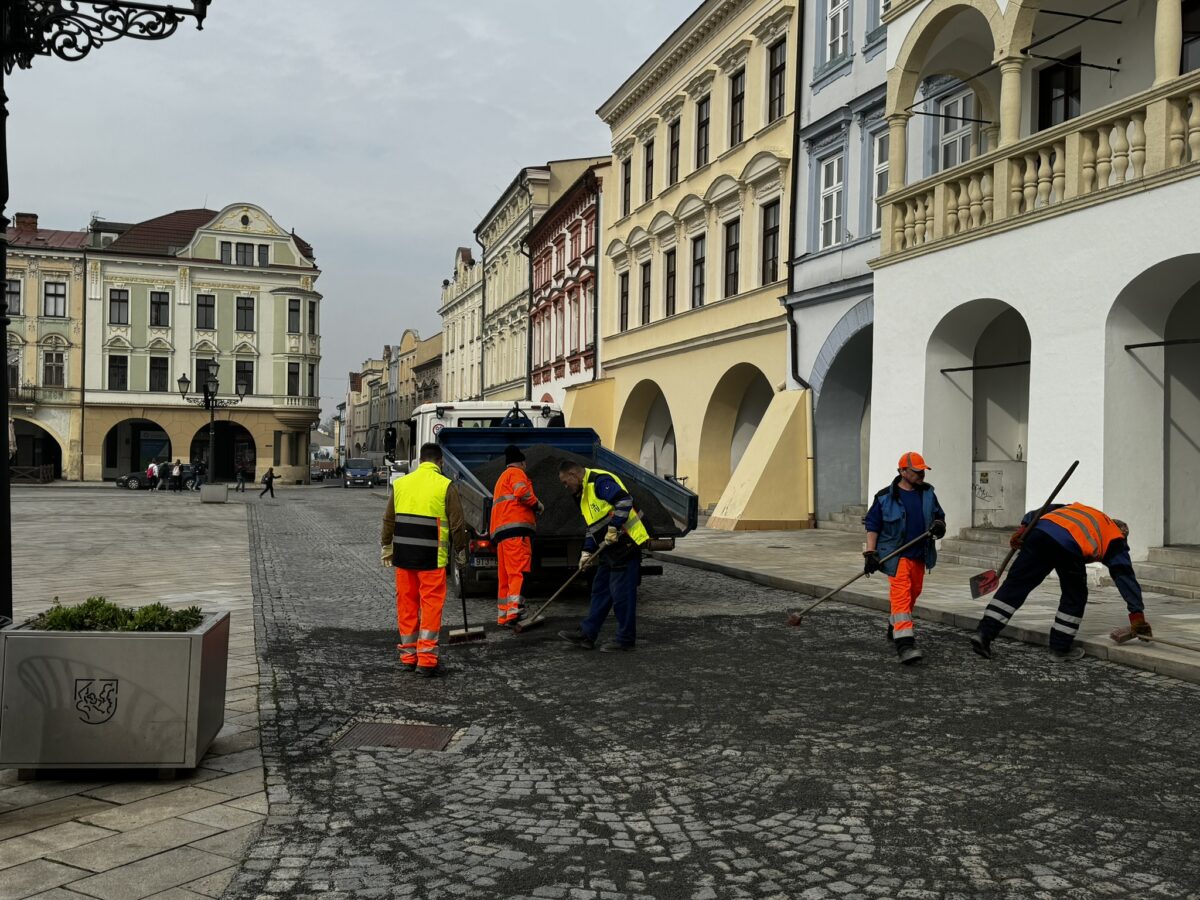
x=1091 y=529
x=513 y=503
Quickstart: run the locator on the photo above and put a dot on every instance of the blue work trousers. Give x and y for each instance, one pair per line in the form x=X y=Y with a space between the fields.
x=615 y=587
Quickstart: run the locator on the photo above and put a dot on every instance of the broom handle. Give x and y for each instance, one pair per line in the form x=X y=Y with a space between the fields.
x=566 y=584
x=1037 y=515
x=847 y=584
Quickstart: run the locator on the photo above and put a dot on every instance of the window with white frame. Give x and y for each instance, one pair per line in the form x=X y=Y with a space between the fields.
x=12 y=296
x=956 y=133
x=54 y=299
x=879 y=176
x=832 y=185
x=837 y=29
x=54 y=368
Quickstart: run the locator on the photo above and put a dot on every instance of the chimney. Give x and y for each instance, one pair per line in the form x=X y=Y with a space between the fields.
x=26 y=221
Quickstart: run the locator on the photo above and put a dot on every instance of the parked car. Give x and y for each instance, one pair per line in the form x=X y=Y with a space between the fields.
x=380 y=475
x=135 y=481
x=359 y=472
x=315 y=474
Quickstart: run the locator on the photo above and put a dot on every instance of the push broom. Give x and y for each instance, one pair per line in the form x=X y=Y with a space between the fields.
x=468 y=632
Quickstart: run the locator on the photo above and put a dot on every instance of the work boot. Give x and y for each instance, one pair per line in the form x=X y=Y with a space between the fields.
x=428 y=671
x=614 y=647
x=409 y=667
x=1071 y=654
x=889 y=634
x=907 y=653
x=981 y=644
x=578 y=638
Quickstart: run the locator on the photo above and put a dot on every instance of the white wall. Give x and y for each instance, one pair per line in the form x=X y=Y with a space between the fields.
x=1182 y=490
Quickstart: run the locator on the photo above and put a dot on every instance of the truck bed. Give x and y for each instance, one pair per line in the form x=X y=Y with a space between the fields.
x=466 y=449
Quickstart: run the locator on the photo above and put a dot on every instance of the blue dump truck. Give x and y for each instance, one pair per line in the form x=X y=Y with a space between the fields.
x=668 y=508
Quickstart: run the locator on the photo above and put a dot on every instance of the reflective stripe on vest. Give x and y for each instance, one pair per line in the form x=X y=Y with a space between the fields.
x=597 y=512
x=1091 y=529
x=422 y=536
x=510 y=516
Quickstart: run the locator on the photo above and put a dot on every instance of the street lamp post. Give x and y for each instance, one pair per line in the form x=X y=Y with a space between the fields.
x=70 y=30
x=212 y=403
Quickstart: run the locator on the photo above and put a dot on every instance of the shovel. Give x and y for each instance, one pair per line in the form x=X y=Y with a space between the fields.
x=797 y=617
x=986 y=582
x=537 y=619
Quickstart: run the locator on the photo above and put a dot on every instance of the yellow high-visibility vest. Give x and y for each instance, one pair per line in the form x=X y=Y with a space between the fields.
x=422 y=536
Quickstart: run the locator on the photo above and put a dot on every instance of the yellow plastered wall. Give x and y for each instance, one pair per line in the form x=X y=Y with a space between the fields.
x=590 y=405
x=769 y=489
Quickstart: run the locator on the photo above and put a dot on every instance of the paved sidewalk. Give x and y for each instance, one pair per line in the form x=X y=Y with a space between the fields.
x=816 y=561
x=136 y=836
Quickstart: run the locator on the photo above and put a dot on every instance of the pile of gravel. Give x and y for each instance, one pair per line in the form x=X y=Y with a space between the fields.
x=562 y=517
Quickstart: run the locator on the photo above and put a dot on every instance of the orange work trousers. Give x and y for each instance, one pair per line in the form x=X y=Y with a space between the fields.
x=420 y=594
x=905 y=588
x=513 y=557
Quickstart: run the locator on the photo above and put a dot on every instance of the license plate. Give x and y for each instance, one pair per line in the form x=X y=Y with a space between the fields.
x=484 y=562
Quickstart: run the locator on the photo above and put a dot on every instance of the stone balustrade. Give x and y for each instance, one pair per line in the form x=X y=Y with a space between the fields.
x=1152 y=134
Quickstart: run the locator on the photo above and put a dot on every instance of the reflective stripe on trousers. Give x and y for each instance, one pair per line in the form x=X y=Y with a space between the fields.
x=903 y=590
x=513 y=558
x=420 y=595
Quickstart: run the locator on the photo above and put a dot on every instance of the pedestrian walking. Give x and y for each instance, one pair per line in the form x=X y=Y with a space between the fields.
x=269 y=481
x=423 y=525
x=900 y=513
x=1064 y=540
x=163 y=468
x=177 y=477
x=198 y=470
x=152 y=475
x=514 y=510
x=615 y=537
x=241 y=478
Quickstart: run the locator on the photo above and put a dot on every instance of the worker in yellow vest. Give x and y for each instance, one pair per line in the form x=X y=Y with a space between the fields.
x=615 y=539
x=422 y=526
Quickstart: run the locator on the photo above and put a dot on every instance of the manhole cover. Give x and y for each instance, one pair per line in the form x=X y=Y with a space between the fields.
x=390 y=734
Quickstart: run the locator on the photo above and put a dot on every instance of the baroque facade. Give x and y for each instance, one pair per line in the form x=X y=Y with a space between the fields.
x=502 y=235
x=462 y=326
x=564 y=245
x=695 y=231
x=1037 y=292
x=160 y=303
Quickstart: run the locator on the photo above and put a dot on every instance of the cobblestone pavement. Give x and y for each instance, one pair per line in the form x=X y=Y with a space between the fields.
x=730 y=756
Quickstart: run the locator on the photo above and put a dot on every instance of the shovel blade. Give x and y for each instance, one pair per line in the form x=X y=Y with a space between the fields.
x=984 y=583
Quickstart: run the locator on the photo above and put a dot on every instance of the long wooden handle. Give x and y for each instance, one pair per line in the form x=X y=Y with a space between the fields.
x=894 y=553
x=1041 y=512
x=566 y=584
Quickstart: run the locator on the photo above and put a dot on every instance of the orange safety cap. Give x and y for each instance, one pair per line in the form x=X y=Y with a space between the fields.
x=912 y=460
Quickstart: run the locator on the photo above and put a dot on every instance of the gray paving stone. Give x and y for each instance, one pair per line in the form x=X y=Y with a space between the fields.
x=231 y=844
x=38 y=844
x=34 y=877
x=223 y=817
x=32 y=818
x=154 y=875
x=129 y=846
x=155 y=809
x=213 y=885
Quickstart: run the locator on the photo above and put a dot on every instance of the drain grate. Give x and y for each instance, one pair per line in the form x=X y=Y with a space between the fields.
x=392 y=734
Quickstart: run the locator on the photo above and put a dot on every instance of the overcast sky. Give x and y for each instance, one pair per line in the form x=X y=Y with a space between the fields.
x=380 y=130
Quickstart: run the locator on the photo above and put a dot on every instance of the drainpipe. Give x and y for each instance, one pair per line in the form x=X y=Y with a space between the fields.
x=482 y=307
x=793 y=325
x=83 y=366
x=596 y=283
x=527 y=251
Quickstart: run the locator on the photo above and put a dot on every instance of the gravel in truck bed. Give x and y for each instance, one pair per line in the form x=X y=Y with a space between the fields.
x=562 y=517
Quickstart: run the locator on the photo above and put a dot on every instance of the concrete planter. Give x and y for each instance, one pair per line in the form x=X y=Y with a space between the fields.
x=214 y=493
x=84 y=700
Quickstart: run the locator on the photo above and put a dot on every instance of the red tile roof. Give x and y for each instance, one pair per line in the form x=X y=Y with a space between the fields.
x=164 y=235
x=47 y=239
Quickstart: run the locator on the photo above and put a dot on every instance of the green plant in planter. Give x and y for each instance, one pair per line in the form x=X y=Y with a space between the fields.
x=101 y=614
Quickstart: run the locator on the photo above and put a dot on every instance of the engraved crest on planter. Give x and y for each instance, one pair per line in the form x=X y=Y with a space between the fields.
x=96 y=699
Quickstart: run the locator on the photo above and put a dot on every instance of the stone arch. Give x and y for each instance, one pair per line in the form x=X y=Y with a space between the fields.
x=128 y=443
x=761 y=165
x=1152 y=405
x=689 y=206
x=646 y=429
x=722 y=186
x=235 y=446
x=639 y=235
x=735 y=407
x=616 y=247
x=842 y=412
x=979 y=418
x=664 y=221
x=37 y=444
x=905 y=74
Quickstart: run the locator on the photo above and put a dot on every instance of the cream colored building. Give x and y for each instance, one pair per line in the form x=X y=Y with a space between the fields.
x=427 y=371
x=462 y=325
x=358 y=406
x=1037 y=295
x=506 y=272
x=695 y=230
x=44 y=292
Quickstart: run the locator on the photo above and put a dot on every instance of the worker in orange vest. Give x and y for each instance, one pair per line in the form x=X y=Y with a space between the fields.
x=1064 y=540
x=514 y=508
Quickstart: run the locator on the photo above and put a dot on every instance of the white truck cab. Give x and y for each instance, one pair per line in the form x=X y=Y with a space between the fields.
x=430 y=418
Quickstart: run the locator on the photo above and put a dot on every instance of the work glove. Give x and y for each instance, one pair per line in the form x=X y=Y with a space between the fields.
x=460 y=559
x=612 y=535
x=1017 y=538
x=540 y=508
x=585 y=559
x=870 y=562
x=938 y=529
x=385 y=555
x=1138 y=626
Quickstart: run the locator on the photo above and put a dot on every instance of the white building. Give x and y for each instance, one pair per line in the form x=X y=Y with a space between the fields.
x=1037 y=296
